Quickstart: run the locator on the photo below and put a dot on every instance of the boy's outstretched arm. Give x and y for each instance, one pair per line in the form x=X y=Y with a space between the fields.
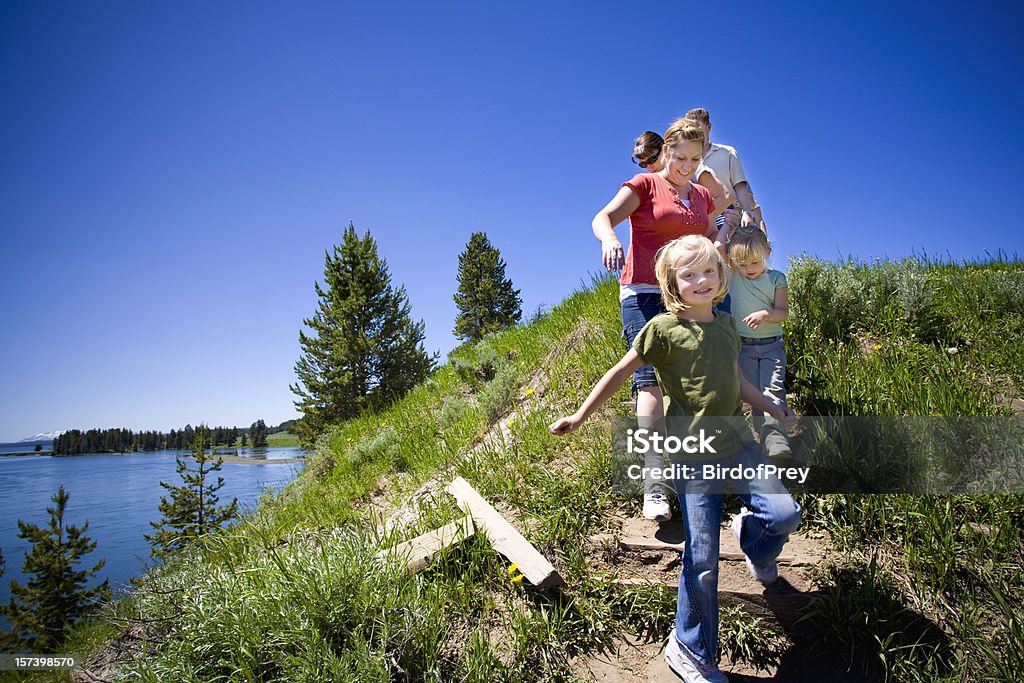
x=602 y=391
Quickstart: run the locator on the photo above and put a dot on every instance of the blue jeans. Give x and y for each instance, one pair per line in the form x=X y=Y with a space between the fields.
x=637 y=310
x=775 y=516
x=764 y=366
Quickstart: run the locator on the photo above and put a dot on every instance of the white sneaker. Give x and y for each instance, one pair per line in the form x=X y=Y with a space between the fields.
x=688 y=668
x=766 y=575
x=656 y=507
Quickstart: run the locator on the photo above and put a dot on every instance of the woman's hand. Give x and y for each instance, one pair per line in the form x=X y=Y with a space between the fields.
x=611 y=254
x=781 y=412
x=564 y=425
x=733 y=218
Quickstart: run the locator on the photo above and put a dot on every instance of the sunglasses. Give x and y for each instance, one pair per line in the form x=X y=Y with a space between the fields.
x=650 y=161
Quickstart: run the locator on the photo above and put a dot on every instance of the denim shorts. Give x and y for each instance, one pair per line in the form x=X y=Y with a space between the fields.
x=636 y=311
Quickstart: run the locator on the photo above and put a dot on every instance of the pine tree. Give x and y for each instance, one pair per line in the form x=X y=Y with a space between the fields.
x=55 y=596
x=192 y=510
x=364 y=351
x=258 y=431
x=486 y=300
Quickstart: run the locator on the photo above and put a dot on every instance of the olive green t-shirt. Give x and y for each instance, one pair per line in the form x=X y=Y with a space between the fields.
x=696 y=368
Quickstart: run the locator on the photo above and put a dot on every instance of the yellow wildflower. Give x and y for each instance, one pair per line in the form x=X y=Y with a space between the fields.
x=529 y=391
x=517 y=579
x=512 y=568
x=877 y=347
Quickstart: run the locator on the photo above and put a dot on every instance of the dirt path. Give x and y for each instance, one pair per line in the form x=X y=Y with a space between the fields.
x=640 y=551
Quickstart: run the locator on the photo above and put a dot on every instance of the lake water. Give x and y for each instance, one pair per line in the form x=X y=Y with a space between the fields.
x=22 y=447
x=118 y=495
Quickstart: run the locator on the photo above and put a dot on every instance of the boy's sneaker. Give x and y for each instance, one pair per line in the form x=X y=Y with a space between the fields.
x=776 y=446
x=656 y=507
x=688 y=668
x=766 y=575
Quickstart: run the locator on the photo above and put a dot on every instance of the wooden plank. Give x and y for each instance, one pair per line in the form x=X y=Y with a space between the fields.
x=504 y=537
x=650 y=543
x=639 y=542
x=673 y=584
x=419 y=552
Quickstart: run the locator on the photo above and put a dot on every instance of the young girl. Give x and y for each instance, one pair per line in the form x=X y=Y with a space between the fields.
x=694 y=351
x=760 y=304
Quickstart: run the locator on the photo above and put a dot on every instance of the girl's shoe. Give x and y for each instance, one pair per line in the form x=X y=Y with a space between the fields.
x=766 y=575
x=656 y=507
x=688 y=668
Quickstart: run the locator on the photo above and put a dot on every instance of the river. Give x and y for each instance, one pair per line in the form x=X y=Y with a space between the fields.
x=117 y=495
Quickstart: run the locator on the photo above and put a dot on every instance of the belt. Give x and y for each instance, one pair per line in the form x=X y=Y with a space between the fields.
x=760 y=340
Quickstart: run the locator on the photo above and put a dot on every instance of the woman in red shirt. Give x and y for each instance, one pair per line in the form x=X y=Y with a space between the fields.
x=661 y=206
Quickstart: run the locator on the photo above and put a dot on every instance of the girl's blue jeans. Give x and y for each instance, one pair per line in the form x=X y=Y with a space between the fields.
x=775 y=516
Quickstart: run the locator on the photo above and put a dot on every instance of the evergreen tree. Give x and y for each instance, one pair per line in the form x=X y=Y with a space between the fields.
x=244 y=441
x=258 y=431
x=192 y=510
x=364 y=351
x=55 y=596
x=486 y=300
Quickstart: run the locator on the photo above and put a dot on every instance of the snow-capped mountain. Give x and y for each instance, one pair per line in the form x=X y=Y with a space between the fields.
x=48 y=436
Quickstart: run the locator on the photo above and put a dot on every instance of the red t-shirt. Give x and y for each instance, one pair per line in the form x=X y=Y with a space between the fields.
x=660 y=218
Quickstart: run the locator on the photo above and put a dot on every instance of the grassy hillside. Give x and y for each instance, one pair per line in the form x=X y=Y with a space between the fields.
x=926 y=588
x=282 y=439
x=930 y=586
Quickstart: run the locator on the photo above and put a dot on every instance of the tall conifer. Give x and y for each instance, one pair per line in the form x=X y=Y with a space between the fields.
x=364 y=350
x=258 y=432
x=55 y=596
x=192 y=510
x=486 y=299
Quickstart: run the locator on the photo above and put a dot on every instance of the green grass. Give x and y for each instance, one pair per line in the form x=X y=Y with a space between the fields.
x=293 y=593
x=923 y=590
x=275 y=440
x=282 y=439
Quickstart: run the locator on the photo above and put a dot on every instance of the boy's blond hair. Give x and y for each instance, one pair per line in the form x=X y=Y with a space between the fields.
x=695 y=250
x=749 y=245
x=699 y=115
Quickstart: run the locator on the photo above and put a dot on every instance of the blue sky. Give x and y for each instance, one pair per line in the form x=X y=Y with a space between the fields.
x=172 y=173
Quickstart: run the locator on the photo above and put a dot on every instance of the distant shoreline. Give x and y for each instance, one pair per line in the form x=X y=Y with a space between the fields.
x=226 y=457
